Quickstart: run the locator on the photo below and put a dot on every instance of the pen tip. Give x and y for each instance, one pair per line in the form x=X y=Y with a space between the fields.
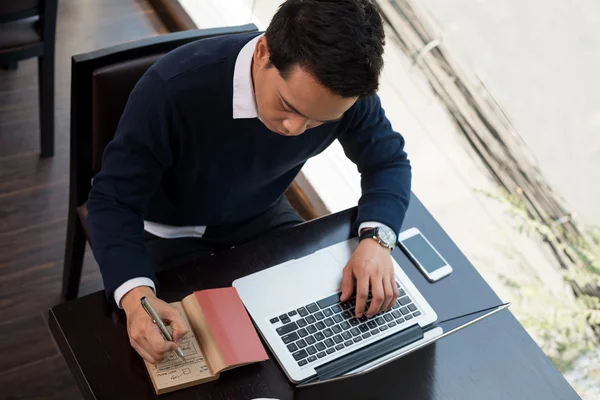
x=180 y=353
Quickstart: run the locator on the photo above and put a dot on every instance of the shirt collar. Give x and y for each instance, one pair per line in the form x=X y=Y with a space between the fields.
x=244 y=103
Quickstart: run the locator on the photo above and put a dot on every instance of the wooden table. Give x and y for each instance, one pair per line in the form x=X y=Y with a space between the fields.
x=493 y=359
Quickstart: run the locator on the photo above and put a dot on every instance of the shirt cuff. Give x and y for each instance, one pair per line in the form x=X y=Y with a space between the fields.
x=370 y=224
x=131 y=284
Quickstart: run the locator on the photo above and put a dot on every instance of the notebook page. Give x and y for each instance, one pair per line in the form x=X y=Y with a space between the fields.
x=174 y=373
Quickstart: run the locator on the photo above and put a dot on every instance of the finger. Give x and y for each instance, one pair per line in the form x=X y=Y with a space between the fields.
x=154 y=343
x=362 y=291
x=378 y=295
x=394 y=289
x=149 y=347
x=172 y=346
x=143 y=353
x=388 y=294
x=347 y=283
x=178 y=326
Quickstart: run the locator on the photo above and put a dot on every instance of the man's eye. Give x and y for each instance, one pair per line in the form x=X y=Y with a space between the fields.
x=284 y=108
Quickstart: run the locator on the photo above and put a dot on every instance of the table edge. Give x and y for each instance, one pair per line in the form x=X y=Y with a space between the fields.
x=68 y=356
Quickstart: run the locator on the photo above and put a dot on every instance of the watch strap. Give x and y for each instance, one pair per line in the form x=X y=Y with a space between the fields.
x=369 y=233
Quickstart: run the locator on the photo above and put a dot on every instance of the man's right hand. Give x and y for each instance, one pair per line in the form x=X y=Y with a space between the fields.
x=144 y=335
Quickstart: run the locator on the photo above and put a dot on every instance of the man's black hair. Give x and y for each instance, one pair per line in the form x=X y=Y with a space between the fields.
x=339 y=42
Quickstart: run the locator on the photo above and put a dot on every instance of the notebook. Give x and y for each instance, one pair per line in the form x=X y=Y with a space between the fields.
x=221 y=337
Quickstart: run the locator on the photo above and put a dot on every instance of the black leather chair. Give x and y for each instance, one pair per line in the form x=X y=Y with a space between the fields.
x=27 y=29
x=101 y=82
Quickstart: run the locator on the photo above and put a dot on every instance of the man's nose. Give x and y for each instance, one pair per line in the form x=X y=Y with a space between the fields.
x=295 y=126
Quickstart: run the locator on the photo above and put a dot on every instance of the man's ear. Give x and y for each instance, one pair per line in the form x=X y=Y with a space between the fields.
x=261 y=52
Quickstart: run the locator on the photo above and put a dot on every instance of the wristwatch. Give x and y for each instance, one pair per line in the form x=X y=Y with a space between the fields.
x=384 y=236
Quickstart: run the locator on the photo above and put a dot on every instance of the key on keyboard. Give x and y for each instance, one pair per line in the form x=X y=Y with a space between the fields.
x=404 y=301
x=287 y=328
x=300 y=355
x=329 y=301
x=290 y=338
x=312 y=308
x=302 y=311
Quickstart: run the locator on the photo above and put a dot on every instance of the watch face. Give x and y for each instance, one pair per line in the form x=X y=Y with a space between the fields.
x=387 y=236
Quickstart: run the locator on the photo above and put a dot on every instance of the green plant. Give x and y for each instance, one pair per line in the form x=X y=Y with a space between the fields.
x=567 y=332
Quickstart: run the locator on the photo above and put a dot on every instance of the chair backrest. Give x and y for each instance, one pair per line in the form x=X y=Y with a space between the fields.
x=11 y=10
x=101 y=82
x=41 y=15
x=111 y=86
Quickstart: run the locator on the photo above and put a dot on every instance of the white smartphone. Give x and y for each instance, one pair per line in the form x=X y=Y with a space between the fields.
x=424 y=255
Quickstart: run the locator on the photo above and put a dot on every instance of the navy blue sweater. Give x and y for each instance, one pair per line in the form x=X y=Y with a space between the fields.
x=179 y=158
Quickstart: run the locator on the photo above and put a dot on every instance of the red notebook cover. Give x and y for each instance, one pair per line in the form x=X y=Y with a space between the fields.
x=231 y=326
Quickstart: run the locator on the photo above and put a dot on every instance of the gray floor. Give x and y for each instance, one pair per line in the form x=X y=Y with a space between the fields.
x=540 y=60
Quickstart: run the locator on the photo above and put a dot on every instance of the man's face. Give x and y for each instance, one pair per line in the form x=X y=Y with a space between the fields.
x=291 y=106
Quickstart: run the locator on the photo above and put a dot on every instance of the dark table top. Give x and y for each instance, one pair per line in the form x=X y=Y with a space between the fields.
x=492 y=359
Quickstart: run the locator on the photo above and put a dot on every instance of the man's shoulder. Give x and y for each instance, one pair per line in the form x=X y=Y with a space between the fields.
x=204 y=54
x=365 y=108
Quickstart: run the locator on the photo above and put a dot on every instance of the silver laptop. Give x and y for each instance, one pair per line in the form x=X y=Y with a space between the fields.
x=296 y=308
x=315 y=337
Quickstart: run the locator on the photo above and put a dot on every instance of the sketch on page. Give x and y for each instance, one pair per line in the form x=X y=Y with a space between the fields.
x=175 y=371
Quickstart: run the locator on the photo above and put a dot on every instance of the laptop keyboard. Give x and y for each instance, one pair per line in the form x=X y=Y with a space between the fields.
x=328 y=325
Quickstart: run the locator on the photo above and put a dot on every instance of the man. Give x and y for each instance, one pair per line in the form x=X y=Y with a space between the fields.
x=215 y=132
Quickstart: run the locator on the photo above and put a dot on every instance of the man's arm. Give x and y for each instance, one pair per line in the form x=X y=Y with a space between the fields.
x=132 y=169
x=378 y=152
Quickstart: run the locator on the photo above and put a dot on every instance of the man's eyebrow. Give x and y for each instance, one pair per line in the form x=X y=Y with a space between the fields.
x=291 y=107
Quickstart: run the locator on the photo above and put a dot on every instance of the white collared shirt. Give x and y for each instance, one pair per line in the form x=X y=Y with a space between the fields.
x=244 y=106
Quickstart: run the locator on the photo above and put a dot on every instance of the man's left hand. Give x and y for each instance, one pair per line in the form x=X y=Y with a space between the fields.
x=370 y=267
